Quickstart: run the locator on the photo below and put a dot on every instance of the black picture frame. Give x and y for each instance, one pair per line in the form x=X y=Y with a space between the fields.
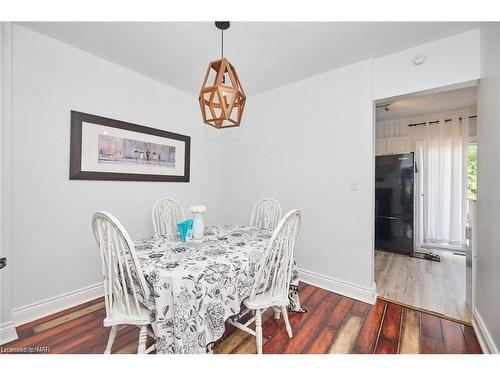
x=75 y=168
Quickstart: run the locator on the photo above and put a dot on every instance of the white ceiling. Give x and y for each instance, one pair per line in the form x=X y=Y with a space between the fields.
x=266 y=54
x=416 y=105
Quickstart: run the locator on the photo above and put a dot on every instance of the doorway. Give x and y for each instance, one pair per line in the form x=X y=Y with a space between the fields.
x=424 y=187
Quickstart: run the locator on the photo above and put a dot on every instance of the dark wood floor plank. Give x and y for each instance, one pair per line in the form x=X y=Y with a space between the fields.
x=334 y=298
x=82 y=343
x=360 y=308
x=69 y=335
x=26 y=330
x=385 y=346
x=392 y=322
x=125 y=336
x=47 y=337
x=338 y=314
x=431 y=327
x=322 y=341
x=305 y=291
x=276 y=343
x=307 y=331
x=431 y=346
x=316 y=298
x=471 y=340
x=271 y=326
x=96 y=339
x=365 y=343
x=454 y=341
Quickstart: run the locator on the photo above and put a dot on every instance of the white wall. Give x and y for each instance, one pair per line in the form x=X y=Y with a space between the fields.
x=449 y=61
x=488 y=249
x=303 y=144
x=53 y=247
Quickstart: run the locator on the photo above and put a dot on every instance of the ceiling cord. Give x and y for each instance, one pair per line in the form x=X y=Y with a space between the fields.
x=222 y=44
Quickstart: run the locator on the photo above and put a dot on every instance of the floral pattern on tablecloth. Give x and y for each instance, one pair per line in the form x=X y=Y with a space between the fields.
x=197 y=285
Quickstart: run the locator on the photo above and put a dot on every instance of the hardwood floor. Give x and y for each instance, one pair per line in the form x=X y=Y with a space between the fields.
x=333 y=324
x=434 y=286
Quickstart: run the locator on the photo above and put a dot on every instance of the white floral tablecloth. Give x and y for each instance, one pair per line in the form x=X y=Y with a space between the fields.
x=197 y=285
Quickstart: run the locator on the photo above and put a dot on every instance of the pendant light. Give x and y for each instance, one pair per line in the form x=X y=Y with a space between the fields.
x=222 y=98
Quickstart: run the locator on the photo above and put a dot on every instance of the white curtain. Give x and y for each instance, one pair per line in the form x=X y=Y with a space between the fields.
x=441 y=184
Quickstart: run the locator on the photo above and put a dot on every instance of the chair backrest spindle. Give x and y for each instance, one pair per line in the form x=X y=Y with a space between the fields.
x=266 y=214
x=166 y=214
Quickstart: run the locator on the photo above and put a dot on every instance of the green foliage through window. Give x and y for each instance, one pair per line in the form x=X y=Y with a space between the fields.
x=472 y=171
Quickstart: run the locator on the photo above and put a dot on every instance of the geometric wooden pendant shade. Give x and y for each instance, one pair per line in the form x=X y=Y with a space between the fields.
x=222 y=98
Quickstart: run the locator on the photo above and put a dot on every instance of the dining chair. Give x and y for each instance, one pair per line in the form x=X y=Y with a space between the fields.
x=266 y=214
x=272 y=282
x=166 y=214
x=123 y=280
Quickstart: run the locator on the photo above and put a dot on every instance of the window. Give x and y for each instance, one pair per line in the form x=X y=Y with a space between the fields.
x=472 y=171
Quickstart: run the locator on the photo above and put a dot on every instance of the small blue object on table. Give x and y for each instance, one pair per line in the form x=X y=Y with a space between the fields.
x=184 y=228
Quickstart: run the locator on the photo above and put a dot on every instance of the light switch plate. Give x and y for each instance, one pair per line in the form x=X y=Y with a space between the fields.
x=354 y=185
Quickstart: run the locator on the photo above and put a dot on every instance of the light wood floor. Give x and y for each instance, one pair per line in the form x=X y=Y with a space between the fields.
x=332 y=324
x=434 y=286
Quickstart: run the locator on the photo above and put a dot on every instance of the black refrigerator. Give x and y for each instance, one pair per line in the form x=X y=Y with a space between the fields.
x=394 y=176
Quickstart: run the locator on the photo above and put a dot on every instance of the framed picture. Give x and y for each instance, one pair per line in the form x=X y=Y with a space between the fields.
x=107 y=149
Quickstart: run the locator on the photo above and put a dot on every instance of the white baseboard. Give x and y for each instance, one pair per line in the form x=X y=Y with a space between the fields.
x=360 y=293
x=37 y=310
x=7 y=332
x=483 y=335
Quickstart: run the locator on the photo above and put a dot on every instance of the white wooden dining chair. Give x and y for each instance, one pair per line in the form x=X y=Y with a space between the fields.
x=166 y=214
x=266 y=214
x=273 y=277
x=123 y=280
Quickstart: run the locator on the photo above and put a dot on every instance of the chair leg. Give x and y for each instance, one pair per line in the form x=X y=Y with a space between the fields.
x=143 y=335
x=258 y=330
x=287 y=323
x=277 y=312
x=111 y=339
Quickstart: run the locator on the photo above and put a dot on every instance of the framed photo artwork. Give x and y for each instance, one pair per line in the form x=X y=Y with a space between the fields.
x=107 y=149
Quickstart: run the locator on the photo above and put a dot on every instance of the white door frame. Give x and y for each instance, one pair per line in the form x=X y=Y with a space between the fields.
x=7 y=329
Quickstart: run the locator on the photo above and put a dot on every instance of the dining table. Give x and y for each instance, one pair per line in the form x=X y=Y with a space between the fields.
x=197 y=285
